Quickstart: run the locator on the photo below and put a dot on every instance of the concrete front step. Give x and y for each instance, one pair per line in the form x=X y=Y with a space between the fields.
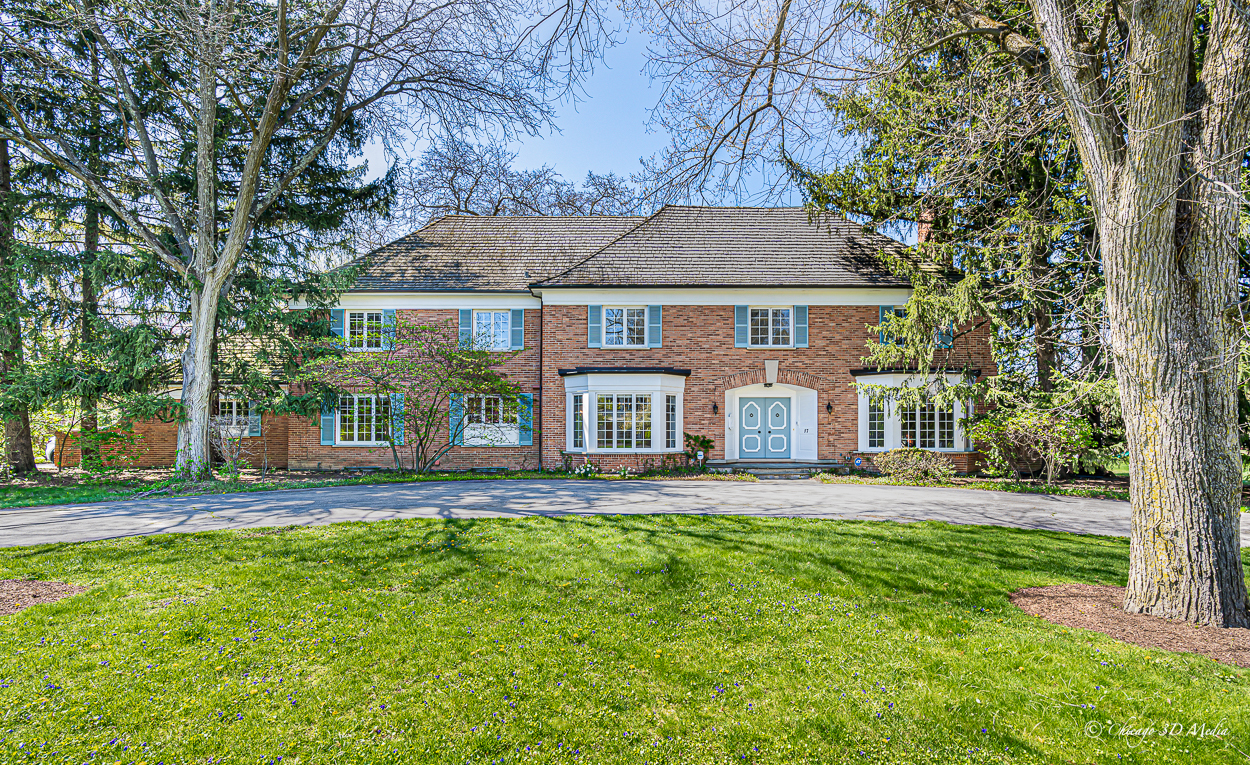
x=778 y=469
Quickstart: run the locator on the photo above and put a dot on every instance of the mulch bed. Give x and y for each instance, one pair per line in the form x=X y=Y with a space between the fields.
x=17 y=594
x=1100 y=608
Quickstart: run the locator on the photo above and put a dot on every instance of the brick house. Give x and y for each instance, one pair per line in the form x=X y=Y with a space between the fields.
x=746 y=325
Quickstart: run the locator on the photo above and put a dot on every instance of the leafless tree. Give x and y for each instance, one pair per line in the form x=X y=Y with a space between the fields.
x=1158 y=105
x=456 y=177
x=295 y=74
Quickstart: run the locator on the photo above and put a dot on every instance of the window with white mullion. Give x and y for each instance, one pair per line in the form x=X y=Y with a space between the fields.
x=876 y=426
x=925 y=426
x=771 y=326
x=623 y=421
x=364 y=330
x=492 y=330
x=625 y=326
x=364 y=419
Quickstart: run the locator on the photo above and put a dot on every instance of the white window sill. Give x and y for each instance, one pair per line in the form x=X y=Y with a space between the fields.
x=626 y=347
x=351 y=349
x=771 y=347
x=363 y=443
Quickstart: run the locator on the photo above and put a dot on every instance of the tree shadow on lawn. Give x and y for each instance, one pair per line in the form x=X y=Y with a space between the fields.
x=976 y=566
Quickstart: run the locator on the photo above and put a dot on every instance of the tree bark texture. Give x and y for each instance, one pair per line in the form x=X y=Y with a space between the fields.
x=89 y=424
x=19 y=451
x=1164 y=177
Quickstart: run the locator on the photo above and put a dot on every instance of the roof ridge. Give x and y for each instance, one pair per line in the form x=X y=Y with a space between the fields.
x=643 y=222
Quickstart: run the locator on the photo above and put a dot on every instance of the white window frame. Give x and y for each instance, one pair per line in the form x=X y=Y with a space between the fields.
x=240 y=411
x=624 y=309
x=947 y=418
x=493 y=337
x=587 y=388
x=506 y=431
x=367 y=342
x=772 y=314
x=381 y=414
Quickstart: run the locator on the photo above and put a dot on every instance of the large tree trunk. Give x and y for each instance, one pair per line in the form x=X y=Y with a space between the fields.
x=19 y=451
x=194 y=457
x=89 y=428
x=1164 y=177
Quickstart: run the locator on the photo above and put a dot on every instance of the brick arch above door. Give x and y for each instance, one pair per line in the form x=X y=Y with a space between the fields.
x=784 y=377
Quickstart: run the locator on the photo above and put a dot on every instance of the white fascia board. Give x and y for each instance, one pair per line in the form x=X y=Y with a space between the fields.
x=724 y=295
x=906 y=379
x=407 y=300
x=600 y=382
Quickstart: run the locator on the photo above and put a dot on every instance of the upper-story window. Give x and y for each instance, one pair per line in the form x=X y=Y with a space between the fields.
x=492 y=330
x=625 y=326
x=364 y=330
x=771 y=326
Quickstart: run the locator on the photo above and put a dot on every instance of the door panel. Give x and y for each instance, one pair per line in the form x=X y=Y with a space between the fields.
x=778 y=442
x=752 y=428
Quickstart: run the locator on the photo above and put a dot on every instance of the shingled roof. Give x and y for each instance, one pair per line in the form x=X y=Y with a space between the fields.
x=737 y=247
x=494 y=254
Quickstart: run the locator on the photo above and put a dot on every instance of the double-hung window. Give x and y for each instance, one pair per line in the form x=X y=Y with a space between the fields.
x=232 y=408
x=364 y=419
x=492 y=330
x=579 y=421
x=771 y=326
x=625 y=326
x=623 y=421
x=364 y=330
x=486 y=410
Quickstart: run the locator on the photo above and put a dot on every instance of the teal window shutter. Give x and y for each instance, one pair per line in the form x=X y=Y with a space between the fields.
x=946 y=336
x=336 y=321
x=655 y=329
x=883 y=315
x=397 y=419
x=741 y=326
x=456 y=423
x=800 y=326
x=594 y=326
x=388 y=328
x=518 y=328
x=525 y=417
x=327 y=421
x=253 y=419
x=466 y=328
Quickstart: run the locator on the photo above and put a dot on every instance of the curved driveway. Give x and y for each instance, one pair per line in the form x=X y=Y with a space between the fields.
x=514 y=498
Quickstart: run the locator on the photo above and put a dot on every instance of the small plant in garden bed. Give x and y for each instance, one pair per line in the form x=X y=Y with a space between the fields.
x=912 y=464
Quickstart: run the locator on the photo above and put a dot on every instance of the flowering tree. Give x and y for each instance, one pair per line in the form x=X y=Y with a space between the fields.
x=420 y=375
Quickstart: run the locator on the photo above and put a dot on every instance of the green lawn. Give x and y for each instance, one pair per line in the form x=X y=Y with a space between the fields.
x=596 y=640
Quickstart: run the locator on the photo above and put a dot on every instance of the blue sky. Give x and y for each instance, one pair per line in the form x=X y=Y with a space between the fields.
x=605 y=131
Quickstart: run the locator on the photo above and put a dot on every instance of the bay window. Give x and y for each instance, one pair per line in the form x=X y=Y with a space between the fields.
x=926 y=424
x=625 y=411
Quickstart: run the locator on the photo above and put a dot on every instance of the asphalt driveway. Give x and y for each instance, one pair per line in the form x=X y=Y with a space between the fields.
x=515 y=498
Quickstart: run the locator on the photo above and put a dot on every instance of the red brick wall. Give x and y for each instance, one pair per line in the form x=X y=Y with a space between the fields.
x=306 y=451
x=155 y=445
x=701 y=338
